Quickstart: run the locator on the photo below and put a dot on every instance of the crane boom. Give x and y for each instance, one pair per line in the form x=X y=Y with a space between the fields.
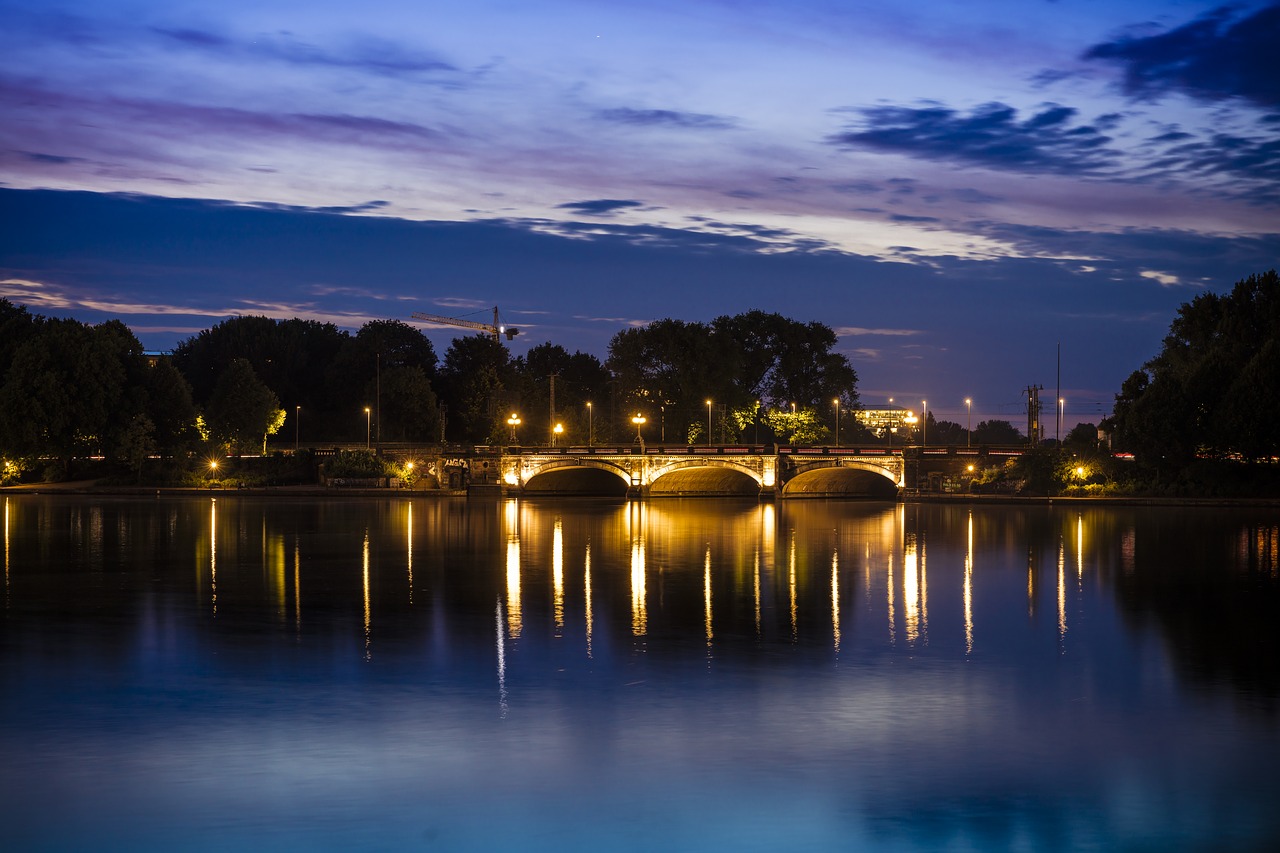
x=496 y=329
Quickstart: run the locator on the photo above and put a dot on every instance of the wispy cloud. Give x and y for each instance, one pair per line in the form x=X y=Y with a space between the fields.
x=853 y=331
x=666 y=118
x=371 y=54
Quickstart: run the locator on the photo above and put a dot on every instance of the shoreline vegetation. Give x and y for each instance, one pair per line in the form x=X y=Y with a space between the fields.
x=1200 y=420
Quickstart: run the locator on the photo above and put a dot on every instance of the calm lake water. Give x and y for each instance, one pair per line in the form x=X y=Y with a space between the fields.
x=241 y=673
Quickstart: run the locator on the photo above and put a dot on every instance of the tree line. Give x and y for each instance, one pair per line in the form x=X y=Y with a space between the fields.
x=71 y=390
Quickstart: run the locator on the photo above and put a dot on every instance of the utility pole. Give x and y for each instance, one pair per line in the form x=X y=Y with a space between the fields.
x=551 y=421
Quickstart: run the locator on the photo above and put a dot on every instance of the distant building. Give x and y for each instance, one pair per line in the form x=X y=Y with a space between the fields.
x=880 y=421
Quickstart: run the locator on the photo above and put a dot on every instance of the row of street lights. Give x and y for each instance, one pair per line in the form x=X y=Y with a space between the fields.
x=639 y=420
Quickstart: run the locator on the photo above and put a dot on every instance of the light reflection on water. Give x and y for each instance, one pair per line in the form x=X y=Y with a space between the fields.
x=674 y=674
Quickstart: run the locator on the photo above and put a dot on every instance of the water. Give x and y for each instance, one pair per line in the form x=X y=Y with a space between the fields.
x=236 y=673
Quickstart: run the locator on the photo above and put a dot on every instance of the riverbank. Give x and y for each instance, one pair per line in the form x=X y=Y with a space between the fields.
x=91 y=487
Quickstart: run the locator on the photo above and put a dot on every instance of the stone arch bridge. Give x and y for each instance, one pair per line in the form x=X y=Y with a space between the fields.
x=642 y=471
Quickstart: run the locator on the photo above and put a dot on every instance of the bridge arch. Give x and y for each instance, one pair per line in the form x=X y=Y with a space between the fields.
x=842 y=478
x=703 y=476
x=569 y=475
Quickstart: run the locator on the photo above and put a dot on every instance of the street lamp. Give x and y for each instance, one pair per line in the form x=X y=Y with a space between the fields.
x=910 y=420
x=513 y=422
x=591 y=425
x=639 y=421
x=297 y=419
x=837 y=402
x=924 y=422
x=708 y=423
x=1061 y=410
x=367 y=427
x=968 y=433
x=556 y=433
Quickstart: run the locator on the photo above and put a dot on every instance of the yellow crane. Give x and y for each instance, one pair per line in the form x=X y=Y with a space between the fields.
x=496 y=329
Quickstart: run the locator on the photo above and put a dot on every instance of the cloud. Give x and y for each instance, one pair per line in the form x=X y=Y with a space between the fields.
x=991 y=136
x=600 y=206
x=365 y=207
x=361 y=53
x=852 y=331
x=1256 y=158
x=1212 y=58
x=666 y=118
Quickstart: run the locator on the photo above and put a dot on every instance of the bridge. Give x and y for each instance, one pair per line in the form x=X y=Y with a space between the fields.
x=761 y=471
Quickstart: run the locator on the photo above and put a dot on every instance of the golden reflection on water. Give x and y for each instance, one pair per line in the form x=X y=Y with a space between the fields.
x=706 y=593
x=756 y=590
x=586 y=591
x=515 y=616
x=213 y=555
x=791 y=577
x=968 y=586
x=1079 y=547
x=639 y=605
x=835 y=598
x=911 y=589
x=273 y=564
x=726 y=552
x=6 y=552
x=297 y=585
x=557 y=573
x=368 y=608
x=1062 y=589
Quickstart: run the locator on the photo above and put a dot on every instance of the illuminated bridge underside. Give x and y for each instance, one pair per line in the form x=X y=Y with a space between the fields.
x=720 y=474
x=842 y=483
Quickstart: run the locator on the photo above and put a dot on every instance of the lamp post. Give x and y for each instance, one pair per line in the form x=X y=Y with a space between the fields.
x=513 y=422
x=591 y=425
x=638 y=419
x=924 y=422
x=556 y=433
x=1061 y=411
x=837 y=402
x=968 y=433
x=708 y=423
x=367 y=427
x=297 y=419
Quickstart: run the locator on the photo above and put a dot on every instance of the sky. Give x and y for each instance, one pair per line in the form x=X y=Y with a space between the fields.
x=977 y=197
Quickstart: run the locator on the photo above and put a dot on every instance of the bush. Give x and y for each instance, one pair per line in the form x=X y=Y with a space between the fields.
x=356 y=464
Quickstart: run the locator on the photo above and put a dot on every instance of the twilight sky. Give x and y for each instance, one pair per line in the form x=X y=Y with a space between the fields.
x=955 y=188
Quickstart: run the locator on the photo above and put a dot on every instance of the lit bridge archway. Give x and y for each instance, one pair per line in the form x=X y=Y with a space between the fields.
x=688 y=471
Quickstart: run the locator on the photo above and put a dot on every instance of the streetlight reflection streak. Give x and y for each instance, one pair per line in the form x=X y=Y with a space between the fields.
x=835 y=599
x=368 y=613
x=557 y=573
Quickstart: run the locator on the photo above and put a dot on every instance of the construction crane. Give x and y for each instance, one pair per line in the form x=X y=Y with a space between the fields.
x=496 y=329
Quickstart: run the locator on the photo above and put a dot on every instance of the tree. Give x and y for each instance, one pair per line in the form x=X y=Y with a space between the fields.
x=474 y=381
x=170 y=409
x=69 y=390
x=242 y=411
x=744 y=364
x=410 y=411
x=946 y=432
x=997 y=432
x=293 y=357
x=579 y=378
x=1211 y=391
